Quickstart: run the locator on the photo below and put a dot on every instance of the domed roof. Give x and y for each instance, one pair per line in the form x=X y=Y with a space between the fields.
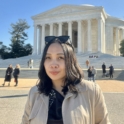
x=87 y=5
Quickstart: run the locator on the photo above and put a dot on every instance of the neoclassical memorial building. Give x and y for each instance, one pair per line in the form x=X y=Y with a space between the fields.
x=90 y=28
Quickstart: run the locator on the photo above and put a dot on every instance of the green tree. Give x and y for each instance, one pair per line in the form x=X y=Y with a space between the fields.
x=4 y=50
x=17 y=48
x=1 y=43
x=18 y=31
x=122 y=47
x=19 y=36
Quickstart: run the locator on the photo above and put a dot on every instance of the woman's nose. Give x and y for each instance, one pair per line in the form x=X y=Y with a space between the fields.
x=54 y=66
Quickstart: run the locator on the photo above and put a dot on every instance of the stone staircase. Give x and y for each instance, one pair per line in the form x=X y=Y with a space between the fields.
x=116 y=61
x=22 y=61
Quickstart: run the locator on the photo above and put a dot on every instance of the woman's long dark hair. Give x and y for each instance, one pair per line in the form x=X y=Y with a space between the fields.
x=74 y=73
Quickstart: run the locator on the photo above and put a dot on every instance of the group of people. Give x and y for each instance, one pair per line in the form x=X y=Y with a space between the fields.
x=91 y=73
x=110 y=73
x=9 y=72
x=93 y=56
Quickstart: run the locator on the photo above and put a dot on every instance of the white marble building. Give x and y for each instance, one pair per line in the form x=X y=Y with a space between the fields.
x=90 y=28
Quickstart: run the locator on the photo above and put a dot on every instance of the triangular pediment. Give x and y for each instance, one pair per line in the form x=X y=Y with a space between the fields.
x=65 y=9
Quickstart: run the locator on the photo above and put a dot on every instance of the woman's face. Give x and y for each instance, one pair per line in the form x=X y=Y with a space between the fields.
x=55 y=63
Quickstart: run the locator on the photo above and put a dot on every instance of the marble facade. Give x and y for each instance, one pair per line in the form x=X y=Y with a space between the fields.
x=90 y=28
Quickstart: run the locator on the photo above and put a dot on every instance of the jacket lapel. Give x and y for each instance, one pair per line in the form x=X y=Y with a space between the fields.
x=45 y=99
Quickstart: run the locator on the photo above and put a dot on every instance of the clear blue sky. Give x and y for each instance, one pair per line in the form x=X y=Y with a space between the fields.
x=12 y=10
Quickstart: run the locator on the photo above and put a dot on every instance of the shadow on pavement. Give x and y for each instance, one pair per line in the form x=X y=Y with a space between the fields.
x=14 y=96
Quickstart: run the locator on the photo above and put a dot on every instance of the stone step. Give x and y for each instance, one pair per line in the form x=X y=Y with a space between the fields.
x=116 y=61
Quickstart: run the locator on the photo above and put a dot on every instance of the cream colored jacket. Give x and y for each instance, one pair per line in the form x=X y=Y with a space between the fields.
x=87 y=108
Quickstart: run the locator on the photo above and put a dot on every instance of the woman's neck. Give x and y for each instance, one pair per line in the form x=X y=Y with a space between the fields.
x=58 y=86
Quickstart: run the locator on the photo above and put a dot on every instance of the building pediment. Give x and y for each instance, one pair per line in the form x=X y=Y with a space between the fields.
x=66 y=9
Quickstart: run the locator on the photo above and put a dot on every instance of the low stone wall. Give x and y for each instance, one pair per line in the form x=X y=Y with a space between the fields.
x=33 y=74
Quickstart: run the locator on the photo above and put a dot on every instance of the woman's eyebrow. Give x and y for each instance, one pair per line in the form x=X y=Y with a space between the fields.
x=57 y=54
x=60 y=53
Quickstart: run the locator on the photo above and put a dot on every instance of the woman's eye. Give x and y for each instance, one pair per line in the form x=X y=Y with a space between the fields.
x=61 y=57
x=47 y=57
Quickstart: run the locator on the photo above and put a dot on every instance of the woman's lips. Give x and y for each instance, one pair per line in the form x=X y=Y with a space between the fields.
x=54 y=72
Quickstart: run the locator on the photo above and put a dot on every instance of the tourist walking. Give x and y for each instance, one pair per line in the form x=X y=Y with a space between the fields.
x=94 y=72
x=89 y=73
x=31 y=63
x=111 y=70
x=62 y=96
x=16 y=74
x=28 y=63
x=103 y=69
x=8 y=75
x=87 y=63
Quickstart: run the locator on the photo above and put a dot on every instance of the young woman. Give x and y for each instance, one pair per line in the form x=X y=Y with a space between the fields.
x=111 y=70
x=16 y=74
x=62 y=96
x=104 y=69
x=8 y=75
x=89 y=71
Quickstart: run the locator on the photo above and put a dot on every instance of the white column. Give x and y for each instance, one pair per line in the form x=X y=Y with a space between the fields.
x=43 y=38
x=79 y=45
x=89 y=37
x=39 y=40
x=35 y=40
x=111 y=41
x=104 y=43
x=55 y=30
x=60 y=29
x=51 y=29
x=82 y=36
x=100 y=35
x=114 y=40
x=70 y=30
x=117 y=42
x=122 y=34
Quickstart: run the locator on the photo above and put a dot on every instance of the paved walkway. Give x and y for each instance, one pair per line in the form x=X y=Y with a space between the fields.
x=26 y=84
x=13 y=99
